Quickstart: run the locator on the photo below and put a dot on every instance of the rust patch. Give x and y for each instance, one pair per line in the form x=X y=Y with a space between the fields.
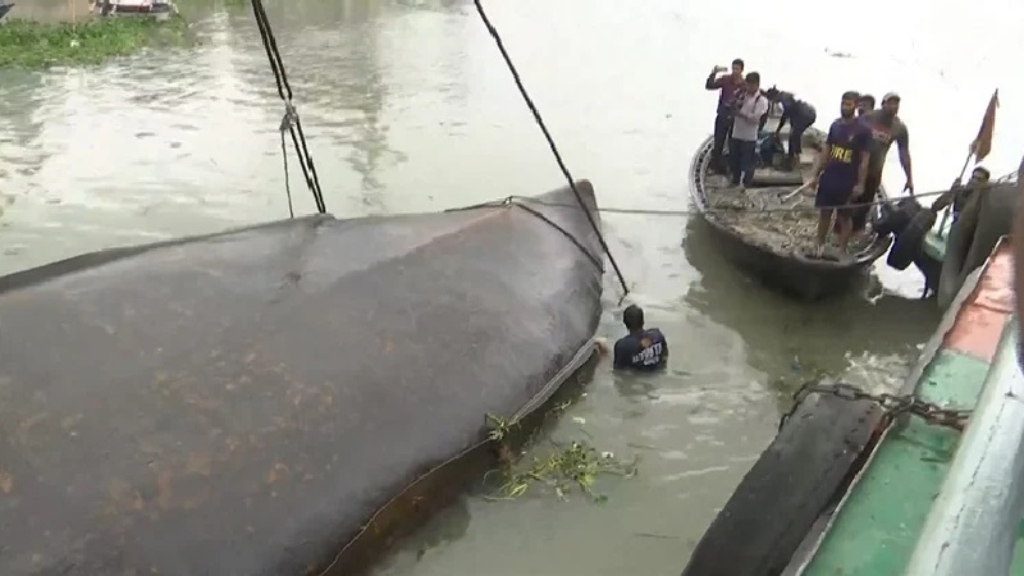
x=982 y=317
x=995 y=288
x=6 y=482
x=976 y=332
x=276 y=473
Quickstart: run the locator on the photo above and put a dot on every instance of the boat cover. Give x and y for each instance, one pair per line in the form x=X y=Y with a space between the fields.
x=242 y=403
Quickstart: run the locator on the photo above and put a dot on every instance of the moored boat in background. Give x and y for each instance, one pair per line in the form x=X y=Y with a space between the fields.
x=159 y=9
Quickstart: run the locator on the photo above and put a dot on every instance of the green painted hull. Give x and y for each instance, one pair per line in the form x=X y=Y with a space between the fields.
x=935 y=246
x=877 y=526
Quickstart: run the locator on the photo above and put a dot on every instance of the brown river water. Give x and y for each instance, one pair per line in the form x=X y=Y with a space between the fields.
x=408 y=107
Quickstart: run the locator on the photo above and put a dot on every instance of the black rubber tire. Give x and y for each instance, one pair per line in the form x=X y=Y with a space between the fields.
x=894 y=218
x=807 y=467
x=910 y=241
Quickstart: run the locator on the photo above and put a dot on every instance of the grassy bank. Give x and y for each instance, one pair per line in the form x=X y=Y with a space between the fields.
x=27 y=44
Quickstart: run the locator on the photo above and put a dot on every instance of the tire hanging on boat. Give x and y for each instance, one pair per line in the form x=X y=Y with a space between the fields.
x=809 y=464
x=910 y=241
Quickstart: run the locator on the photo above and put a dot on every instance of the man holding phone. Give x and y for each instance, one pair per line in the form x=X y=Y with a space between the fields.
x=730 y=87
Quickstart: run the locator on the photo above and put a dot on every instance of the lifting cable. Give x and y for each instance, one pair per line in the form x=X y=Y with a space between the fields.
x=547 y=135
x=290 y=121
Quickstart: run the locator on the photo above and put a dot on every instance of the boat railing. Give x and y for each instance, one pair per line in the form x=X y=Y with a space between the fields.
x=973 y=525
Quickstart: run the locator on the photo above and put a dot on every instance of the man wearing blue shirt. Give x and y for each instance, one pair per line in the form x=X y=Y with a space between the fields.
x=640 y=349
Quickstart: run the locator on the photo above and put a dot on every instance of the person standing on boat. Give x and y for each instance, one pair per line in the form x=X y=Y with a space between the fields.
x=959 y=194
x=743 y=143
x=840 y=172
x=885 y=128
x=865 y=104
x=640 y=349
x=801 y=116
x=730 y=86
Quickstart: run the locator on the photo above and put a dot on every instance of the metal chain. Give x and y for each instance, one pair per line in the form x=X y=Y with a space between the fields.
x=893 y=405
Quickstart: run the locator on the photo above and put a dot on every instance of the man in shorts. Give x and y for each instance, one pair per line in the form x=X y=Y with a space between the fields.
x=840 y=172
x=885 y=127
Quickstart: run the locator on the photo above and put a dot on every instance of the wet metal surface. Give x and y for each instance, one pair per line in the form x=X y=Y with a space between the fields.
x=408 y=108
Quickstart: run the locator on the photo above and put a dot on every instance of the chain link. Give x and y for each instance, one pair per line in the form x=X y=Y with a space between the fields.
x=892 y=404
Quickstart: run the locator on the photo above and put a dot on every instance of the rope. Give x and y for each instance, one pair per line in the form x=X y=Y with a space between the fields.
x=291 y=118
x=285 y=123
x=547 y=135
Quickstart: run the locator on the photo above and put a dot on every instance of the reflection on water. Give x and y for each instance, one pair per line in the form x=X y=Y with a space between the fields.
x=408 y=107
x=794 y=341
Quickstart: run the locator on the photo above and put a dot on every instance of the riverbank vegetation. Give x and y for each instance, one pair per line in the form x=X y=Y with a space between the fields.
x=29 y=44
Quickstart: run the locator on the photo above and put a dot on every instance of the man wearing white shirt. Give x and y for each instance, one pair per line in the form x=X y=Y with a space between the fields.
x=743 y=143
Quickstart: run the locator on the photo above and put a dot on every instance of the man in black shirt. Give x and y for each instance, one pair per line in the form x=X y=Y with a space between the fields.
x=640 y=349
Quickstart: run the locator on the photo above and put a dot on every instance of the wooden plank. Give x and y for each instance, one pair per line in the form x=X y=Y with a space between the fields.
x=806 y=468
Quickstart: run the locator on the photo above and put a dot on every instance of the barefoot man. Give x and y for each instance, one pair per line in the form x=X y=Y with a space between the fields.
x=839 y=173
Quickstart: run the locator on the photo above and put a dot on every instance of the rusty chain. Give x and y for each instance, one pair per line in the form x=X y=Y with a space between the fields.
x=893 y=405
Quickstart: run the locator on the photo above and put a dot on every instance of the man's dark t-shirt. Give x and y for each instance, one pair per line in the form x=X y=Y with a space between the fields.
x=884 y=131
x=847 y=141
x=646 y=350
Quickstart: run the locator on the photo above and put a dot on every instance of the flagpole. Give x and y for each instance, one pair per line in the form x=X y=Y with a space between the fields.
x=979 y=148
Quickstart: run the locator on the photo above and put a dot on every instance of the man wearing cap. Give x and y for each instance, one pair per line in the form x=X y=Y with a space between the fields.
x=885 y=127
x=640 y=349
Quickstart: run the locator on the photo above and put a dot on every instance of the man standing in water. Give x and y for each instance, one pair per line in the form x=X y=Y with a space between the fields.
x=640 y=349
x=885 y=127
x=865 y=104
x=730 y=86
x=743 y=144
x=840 y=172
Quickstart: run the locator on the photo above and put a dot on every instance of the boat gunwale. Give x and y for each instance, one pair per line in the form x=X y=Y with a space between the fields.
x=972 y=285
x=699 y=194
x=359 y=552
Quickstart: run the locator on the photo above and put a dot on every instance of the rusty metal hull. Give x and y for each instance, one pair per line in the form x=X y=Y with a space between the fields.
x=253 y=402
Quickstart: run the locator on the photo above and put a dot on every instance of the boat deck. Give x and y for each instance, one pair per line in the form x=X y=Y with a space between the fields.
x=878 y=526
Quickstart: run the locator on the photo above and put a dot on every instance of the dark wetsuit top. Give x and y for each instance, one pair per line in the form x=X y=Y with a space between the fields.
x=645 y=350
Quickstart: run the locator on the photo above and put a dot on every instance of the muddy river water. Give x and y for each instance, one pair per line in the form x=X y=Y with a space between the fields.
x=408 y=107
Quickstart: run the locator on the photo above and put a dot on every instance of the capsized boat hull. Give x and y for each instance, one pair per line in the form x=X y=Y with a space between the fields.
x=247 y=402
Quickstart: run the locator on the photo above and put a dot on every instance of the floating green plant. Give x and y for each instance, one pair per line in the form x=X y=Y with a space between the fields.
x=29 y=44
x=568 y=468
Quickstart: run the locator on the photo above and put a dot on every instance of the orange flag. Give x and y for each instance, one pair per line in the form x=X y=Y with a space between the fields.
x=982 y=145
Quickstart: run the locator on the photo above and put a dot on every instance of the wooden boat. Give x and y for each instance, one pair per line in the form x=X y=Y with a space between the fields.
x=852 y=491
x=283 y=399
x=788 y=267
